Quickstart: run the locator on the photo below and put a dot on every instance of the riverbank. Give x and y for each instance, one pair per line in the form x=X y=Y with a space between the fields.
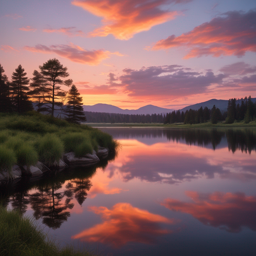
x=19 y=236
x=175 y=125
x=33 y=144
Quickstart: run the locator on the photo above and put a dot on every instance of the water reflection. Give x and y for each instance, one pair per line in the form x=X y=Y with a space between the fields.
x=125 y=223
x=229 y=211
x=235 y=139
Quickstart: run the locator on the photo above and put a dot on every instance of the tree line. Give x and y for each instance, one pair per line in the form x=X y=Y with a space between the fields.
x=246 y=111
x=44 y=89
x=96 y=117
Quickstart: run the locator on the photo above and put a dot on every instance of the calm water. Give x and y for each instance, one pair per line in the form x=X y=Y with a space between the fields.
x=167 y=192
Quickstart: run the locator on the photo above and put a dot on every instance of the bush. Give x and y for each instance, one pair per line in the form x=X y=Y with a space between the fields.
x=26 y=155
x=103 y=139
x=50 y=149
x=7 y=158
x=79 y=143
x=3 y=136
x=83 y=148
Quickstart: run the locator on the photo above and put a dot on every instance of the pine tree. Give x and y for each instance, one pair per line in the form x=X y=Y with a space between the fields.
x=39 y=91
x=74 y=109
x=53 y=72
x=214 y=118
x=5 y=100
x=20 y=89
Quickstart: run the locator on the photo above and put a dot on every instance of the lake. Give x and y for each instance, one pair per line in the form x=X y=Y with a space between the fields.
x=166 y=192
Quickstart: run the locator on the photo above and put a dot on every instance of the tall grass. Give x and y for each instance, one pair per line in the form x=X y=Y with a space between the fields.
x=19 y=237
x=80 y=143
x=7 y=158
x=50 y=149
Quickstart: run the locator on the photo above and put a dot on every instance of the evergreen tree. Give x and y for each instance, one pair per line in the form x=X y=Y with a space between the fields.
x=19 y=90
x=39 y=91
x=214 y=118
x=74 y=109
x=5 y=100
x=53 y=72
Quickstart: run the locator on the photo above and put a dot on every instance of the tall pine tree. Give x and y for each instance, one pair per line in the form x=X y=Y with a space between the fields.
x=74 y=109
x=54 y=72
x=5 y=100
x=20 y=89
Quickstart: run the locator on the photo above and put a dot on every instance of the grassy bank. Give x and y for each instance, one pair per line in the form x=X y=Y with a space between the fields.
x=176 y=125
x=28 y=138
x=19 y=237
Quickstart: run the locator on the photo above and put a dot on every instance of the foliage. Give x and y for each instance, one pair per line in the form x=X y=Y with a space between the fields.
x=53 y=72
x=18 y=236
x=50 y=149
x=74 y=109
x=7 y=158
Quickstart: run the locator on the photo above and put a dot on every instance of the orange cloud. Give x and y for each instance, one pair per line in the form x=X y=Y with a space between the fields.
x=218 y=209
x=233 y=33
x=124 y=223
x=27 y=29
x=74 y=53
x=101 y=188
x=8 y=48
x=125 y=18
x=70 y=31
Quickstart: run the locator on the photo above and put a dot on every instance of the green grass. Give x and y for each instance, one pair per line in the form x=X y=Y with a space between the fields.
x=50 y=149
x=33 y=137
x=19 y=237
x=241 y=124
x=7 y=158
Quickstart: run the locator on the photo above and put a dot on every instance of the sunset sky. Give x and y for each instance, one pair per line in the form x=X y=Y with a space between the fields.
x=131 y=53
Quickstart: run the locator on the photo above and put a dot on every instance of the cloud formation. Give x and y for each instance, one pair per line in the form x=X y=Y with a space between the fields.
x=167 y=81
x=69 y=31
x=125 y=18
x=238 y=68
x=231 y=210
x=74 y=53
x=8 y=48
x=28 y=29
x=124 y=223
x=233 y=33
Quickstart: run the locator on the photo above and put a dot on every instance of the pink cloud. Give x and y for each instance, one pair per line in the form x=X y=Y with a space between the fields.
x=69 y=31
x=231 y=210
x=74 y=53
x=238 y=68
x=125 y=18
x=166 y=81
x=8 y=48
x=28 y=28
x=13 y=16
x=100 y=90
x=125 y=223
x=233 y=33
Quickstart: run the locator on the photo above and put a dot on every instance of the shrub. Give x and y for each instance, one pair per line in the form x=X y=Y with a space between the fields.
x=3 y=136
x=50 y=149
x=73 y=140
x=83 y=148
x=26 y=155
x=103 y=139
x=7 y=158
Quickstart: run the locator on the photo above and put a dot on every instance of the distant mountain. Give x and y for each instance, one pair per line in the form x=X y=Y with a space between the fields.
x=105 y=108
x=221 y=104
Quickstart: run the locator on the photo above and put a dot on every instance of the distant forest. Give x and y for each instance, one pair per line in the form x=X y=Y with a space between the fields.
x=43 y=93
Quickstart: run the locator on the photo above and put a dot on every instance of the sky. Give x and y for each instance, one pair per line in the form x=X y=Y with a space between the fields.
x=131 y=53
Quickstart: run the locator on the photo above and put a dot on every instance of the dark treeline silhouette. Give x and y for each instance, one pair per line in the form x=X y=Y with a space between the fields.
x=44 y=90
x=202 y=115
x=95 y=117
x=245 y=111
